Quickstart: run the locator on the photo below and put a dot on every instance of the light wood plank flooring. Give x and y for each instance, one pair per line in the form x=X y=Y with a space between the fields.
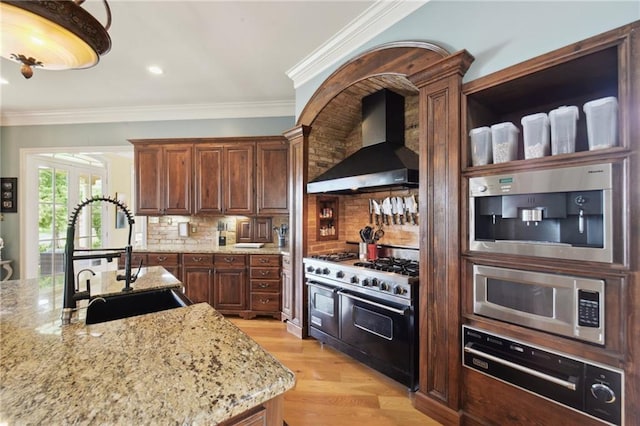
x=332 y=388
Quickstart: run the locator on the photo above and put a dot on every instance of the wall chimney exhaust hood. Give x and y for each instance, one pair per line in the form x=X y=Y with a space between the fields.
x=383 y=161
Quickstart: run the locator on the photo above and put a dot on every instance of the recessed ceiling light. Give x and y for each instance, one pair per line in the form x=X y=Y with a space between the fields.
x=154 y=69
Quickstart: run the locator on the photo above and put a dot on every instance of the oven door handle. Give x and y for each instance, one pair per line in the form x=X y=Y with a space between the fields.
x=376 y=304
x=543 y=376
x=323 y=287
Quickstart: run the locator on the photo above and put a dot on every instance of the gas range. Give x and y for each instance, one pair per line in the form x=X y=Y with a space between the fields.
x=388 y=278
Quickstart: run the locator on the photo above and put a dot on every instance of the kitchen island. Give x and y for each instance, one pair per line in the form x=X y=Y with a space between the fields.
x=182 y=366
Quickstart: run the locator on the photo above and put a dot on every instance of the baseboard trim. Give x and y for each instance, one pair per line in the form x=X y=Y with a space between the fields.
x=436 y=410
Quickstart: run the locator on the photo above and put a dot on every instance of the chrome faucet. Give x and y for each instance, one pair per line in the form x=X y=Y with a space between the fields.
x=72 y=292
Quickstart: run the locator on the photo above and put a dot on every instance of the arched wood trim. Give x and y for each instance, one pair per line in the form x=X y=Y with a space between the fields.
x=400 y=58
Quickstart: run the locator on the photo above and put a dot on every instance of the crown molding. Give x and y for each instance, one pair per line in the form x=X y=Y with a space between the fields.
x=373 y=21
x=151 y=113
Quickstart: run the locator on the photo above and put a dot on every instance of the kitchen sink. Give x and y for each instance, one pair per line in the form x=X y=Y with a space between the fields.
x=126 y=305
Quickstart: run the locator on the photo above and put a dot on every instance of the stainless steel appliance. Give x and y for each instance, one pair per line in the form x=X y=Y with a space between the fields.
x=563 y=213
x=367 y=310
x=566 y=305
x=593 y=389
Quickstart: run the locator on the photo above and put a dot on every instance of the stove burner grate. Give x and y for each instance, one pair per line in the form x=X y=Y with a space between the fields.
x=336 y=257
x=392 y=264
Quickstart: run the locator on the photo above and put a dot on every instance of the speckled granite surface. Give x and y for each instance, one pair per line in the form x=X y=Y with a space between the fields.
x=182 y=366
x=175 y=248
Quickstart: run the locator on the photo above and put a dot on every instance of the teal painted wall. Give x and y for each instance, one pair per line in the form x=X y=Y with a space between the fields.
x=497 y=33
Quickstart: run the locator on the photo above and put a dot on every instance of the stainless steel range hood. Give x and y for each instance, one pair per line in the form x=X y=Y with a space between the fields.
x=383 y=161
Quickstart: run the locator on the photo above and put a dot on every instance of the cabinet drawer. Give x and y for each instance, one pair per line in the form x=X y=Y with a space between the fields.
x=265 y=260
x=265 y=302
x=156 y=259
x=265 y=273
x=230 y=260
x=265 y=286
x=197 y=259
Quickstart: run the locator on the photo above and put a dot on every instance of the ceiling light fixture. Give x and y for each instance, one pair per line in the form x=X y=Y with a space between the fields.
x=53 y=34
x=154 y=69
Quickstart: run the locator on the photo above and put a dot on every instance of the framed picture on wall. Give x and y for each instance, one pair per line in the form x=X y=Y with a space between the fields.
x=9 y=195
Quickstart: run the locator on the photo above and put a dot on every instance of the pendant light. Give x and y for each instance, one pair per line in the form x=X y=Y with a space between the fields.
x=54 y=34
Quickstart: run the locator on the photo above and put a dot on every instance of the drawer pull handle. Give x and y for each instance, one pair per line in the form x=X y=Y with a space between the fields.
x=265 y=301
x=263 y=260
x=264 y=273
x=263 y=285
x=197 y=259
x=162 y=258
x=229 y=259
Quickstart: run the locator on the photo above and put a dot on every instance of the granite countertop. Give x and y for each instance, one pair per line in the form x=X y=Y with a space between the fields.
x=181 y=366
x=177 y=248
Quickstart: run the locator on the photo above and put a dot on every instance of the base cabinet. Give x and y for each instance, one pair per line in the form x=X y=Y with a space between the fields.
x=264 y=286
x=198 y=277
x=229 y=283
x=287 y=288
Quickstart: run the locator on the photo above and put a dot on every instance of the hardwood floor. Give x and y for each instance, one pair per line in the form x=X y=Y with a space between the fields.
x=332 y=388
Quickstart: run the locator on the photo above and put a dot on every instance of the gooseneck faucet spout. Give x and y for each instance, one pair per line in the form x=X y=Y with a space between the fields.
x=71 y=291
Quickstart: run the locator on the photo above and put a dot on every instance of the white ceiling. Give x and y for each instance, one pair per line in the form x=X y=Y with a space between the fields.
x=220 y=59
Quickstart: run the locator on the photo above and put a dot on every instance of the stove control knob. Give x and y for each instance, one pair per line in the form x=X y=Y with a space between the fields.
x=384 y=286
x=310 y=268
x=374 y=282
x=340 y=274
x=318 y=271
x=365 y=282
x=603 y=393
x=326 y=271
x=400 y=290
x=355 y=279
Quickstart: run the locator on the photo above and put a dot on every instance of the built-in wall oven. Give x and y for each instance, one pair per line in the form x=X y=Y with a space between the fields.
x=565 y=213
x=590 y=388
x=570 y=306
x=366 y=310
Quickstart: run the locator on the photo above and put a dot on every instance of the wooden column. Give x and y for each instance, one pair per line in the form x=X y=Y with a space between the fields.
x=439 y=203
x=297 y=323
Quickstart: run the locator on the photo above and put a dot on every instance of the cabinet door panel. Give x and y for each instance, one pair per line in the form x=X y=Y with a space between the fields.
x=148 y=164
x=239 y=170
x=230 y=290
x=178 y=179
x=208 y=179
x=197 y=282
x=272 y=185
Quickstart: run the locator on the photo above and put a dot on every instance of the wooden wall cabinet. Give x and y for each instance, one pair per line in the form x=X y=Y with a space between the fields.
x=254 y=230
x=602 y=66
x=214 y=176
x=272 y=184
x=163 y=179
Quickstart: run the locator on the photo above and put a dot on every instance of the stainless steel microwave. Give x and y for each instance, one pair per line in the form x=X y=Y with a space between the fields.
x=561 y=304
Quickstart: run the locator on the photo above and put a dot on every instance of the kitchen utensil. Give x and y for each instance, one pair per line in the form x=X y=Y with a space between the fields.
x=386 y=210
x=414 y=210
x=366 y=234
x=394 y=210
x=400 y=206
x=376 y=211
x=407 y=210
x=378 y=234
x=370 y=211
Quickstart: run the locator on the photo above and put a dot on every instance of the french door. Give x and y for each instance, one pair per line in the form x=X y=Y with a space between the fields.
x=57 y=187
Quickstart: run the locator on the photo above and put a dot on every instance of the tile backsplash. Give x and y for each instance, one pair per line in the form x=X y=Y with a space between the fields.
x=203 y=230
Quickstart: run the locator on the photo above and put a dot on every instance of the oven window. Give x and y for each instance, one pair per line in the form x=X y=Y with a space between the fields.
x=529 y=298
x=370 y=321
x=324 y=304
